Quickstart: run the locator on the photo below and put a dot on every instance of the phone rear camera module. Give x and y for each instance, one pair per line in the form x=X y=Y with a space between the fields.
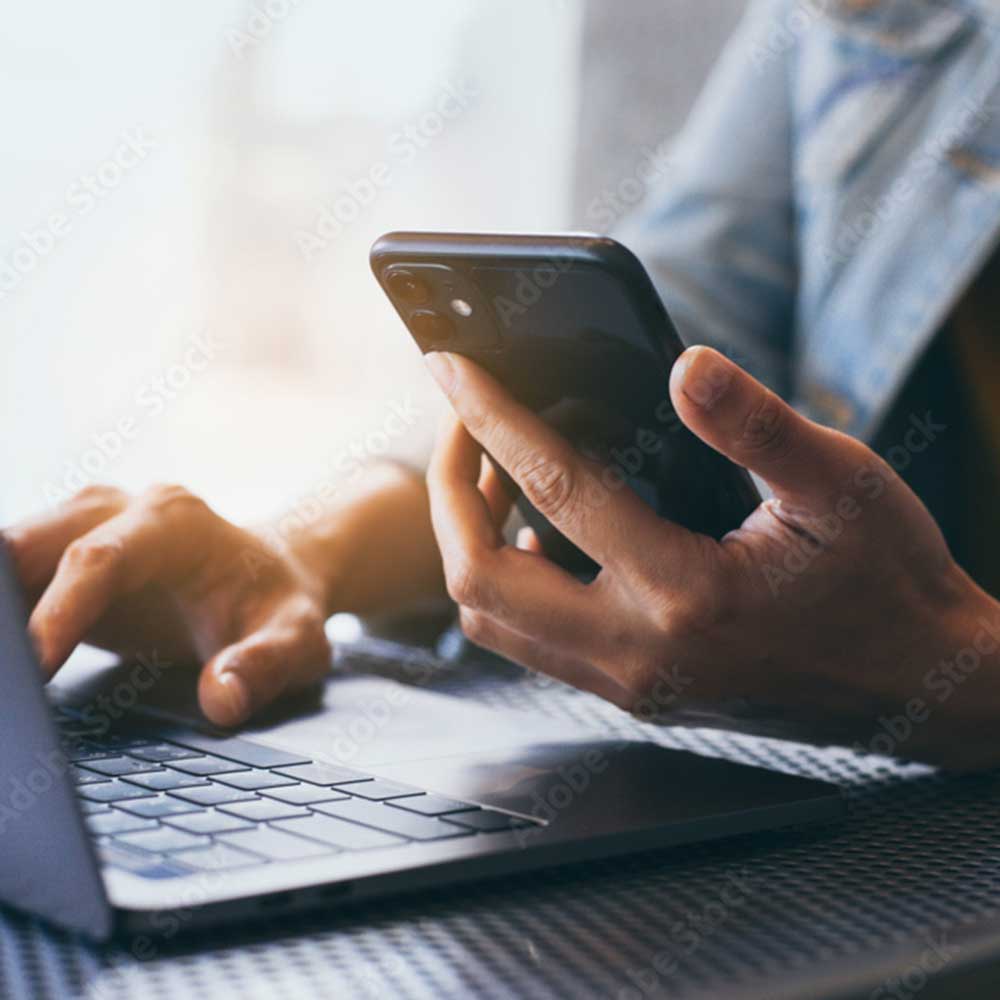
x=431 y=327
x=406 y=286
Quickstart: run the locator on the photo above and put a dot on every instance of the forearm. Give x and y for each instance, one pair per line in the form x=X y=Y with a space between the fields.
x=371 y=545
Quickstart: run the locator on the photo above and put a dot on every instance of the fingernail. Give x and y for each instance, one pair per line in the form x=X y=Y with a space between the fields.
x=236 y=693
x=704 y=376
x=442 y=367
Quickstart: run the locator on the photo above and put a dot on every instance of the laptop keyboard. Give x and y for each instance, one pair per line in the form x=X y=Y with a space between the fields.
x=167 y=808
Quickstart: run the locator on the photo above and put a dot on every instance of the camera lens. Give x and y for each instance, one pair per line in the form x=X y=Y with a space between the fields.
x=408 y=287
x=431 y=326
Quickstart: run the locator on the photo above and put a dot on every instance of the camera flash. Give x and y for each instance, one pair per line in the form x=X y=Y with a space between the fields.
x=461 y=307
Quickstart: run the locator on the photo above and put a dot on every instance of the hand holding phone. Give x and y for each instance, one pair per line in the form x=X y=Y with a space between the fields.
x=573 y=327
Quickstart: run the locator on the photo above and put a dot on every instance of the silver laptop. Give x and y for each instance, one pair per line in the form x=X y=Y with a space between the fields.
x=137 y=825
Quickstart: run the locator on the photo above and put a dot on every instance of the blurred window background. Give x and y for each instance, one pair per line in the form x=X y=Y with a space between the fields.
x=189 y=194
x=190 y=191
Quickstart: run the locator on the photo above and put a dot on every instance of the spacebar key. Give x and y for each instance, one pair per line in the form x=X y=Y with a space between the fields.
x=274 y=844
x=389 y=820
x=347 y=836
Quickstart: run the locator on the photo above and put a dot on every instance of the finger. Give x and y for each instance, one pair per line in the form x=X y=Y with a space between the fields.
x=567 y=490
x=289 y=653
x=746 y=422
x=37 y=544
x=490 y=634
x=492 y=488
x=158 y=538
x=453 y=477
x=525 y=591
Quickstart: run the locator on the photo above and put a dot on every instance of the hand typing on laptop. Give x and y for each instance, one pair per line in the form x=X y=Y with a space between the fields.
x=835 y=614
x=162 y=572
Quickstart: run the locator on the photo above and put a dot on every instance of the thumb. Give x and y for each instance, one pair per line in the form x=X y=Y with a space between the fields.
x=755 y=428
x=250 y=674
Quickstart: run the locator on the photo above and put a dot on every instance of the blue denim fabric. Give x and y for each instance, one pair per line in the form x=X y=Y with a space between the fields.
x=834 y=193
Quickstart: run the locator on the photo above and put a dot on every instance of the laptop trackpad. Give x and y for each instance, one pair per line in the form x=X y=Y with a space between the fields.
x=606 y=786
x=369 y=722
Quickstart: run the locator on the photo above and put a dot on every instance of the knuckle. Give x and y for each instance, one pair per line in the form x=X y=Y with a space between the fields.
x=171 y=500
x=100 y=498
x=93 y=555
x=465 y=581
x=767 y=427
x=548 y=483
x=697 y=613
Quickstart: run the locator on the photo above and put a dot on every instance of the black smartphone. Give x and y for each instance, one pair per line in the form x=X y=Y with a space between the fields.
x=573 y=327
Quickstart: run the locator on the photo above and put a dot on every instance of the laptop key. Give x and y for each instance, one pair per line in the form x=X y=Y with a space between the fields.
x=162 y=752
x=141 y=864
x=92 y=808
x=82 y=777
x=113 y=791
x=116 y=767
x=305 y=795
x=120 y=742
x=241 y=751
x=209 y=821
x=79 y=753
x=274 y=844
x=165 y=781
x=113 y=822
x=323 y=774
x=382 y=817
x=431 y=805
x=336 y=832
x=212 y=795
x=220 y=858
x=163 y=840
x=263 y=810
x=206 y=766
x=158 y=807
x=378 y=790
x=251 y=781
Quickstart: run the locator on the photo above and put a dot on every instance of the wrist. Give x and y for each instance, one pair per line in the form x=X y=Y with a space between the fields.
x=365 y=545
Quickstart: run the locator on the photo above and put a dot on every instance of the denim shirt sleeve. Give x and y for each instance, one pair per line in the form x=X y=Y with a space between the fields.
x=717 y=233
